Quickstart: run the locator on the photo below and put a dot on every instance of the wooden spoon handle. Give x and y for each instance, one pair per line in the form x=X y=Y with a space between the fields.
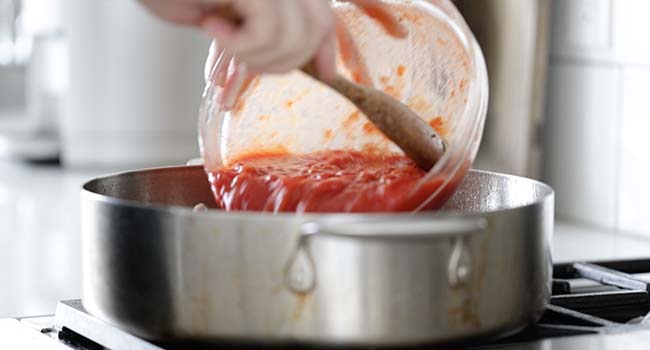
x=399 y=123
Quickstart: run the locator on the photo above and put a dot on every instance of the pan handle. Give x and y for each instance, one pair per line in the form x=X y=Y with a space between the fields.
x=402 y=229
x=300 y=272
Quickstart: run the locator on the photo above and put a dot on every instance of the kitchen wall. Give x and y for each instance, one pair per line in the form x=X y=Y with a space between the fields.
x=135 y=83
x=568 y=102
x=597 y=143
x=108 y=86
x=101 y=83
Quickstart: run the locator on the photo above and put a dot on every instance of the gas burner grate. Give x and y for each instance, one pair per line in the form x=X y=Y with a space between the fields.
x=591 y=298
x=611 y=291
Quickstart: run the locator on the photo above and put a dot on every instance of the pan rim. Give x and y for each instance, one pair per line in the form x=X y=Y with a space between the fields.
x=546 y=193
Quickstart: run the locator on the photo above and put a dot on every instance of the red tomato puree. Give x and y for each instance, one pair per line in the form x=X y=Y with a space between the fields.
x=327 y=181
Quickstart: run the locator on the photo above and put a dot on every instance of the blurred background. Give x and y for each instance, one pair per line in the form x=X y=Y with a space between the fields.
x=89 y=87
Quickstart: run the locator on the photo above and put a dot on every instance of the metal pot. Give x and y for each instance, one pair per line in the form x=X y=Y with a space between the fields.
x=163 y=271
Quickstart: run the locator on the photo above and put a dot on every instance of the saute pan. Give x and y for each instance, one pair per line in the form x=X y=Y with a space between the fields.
x=163 y=271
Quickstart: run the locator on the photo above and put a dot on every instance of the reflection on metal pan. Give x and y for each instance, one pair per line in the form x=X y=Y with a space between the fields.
x=161 y=270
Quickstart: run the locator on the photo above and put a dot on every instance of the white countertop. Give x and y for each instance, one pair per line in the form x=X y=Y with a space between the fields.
x=39 y=237
x=572 y=242
x=40 y=240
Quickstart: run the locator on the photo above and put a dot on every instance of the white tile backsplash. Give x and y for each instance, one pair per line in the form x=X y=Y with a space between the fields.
x=583 y=102
x=581 y=25
x=598 y=154
x=598 y=141
x=601 y=31
x=630 y=28
x=634 y=167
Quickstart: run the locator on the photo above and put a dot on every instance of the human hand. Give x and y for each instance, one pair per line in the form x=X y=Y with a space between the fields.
x=270 y=37
x=273 y=36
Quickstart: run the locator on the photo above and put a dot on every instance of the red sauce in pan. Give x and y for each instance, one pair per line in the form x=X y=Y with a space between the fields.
x=328 y=181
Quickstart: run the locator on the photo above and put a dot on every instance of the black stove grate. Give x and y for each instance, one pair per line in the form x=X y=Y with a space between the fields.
x=590 y=298
x=617 y=294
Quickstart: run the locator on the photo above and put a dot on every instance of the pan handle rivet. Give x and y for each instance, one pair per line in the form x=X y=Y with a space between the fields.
x=200 y=208
x=459 y=268
x=300 y=272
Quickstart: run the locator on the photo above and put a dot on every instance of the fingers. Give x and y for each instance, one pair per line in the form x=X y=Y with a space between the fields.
x=236 y=81
x=381 y=13
x=216 y=65
x=222 y=70
x=188 y=12
x=281 y=35
x=350 y=56
x=258 y=34
x=276 y=36
x=219 y=28
x=286 y=48
x=300 y=38
x=325 y=60
x=325 y=57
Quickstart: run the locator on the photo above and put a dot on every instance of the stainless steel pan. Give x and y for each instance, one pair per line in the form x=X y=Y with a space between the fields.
x=157 y=268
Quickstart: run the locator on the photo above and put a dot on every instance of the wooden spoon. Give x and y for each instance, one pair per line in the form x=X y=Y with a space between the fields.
x=401 y=125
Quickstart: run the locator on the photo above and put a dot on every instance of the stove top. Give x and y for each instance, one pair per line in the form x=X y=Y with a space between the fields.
x=594 y=305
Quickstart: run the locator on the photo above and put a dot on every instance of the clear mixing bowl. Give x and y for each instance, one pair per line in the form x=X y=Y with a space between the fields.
x=438 y=70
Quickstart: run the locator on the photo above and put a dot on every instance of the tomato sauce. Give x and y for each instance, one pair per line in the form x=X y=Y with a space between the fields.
x=327 y=181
